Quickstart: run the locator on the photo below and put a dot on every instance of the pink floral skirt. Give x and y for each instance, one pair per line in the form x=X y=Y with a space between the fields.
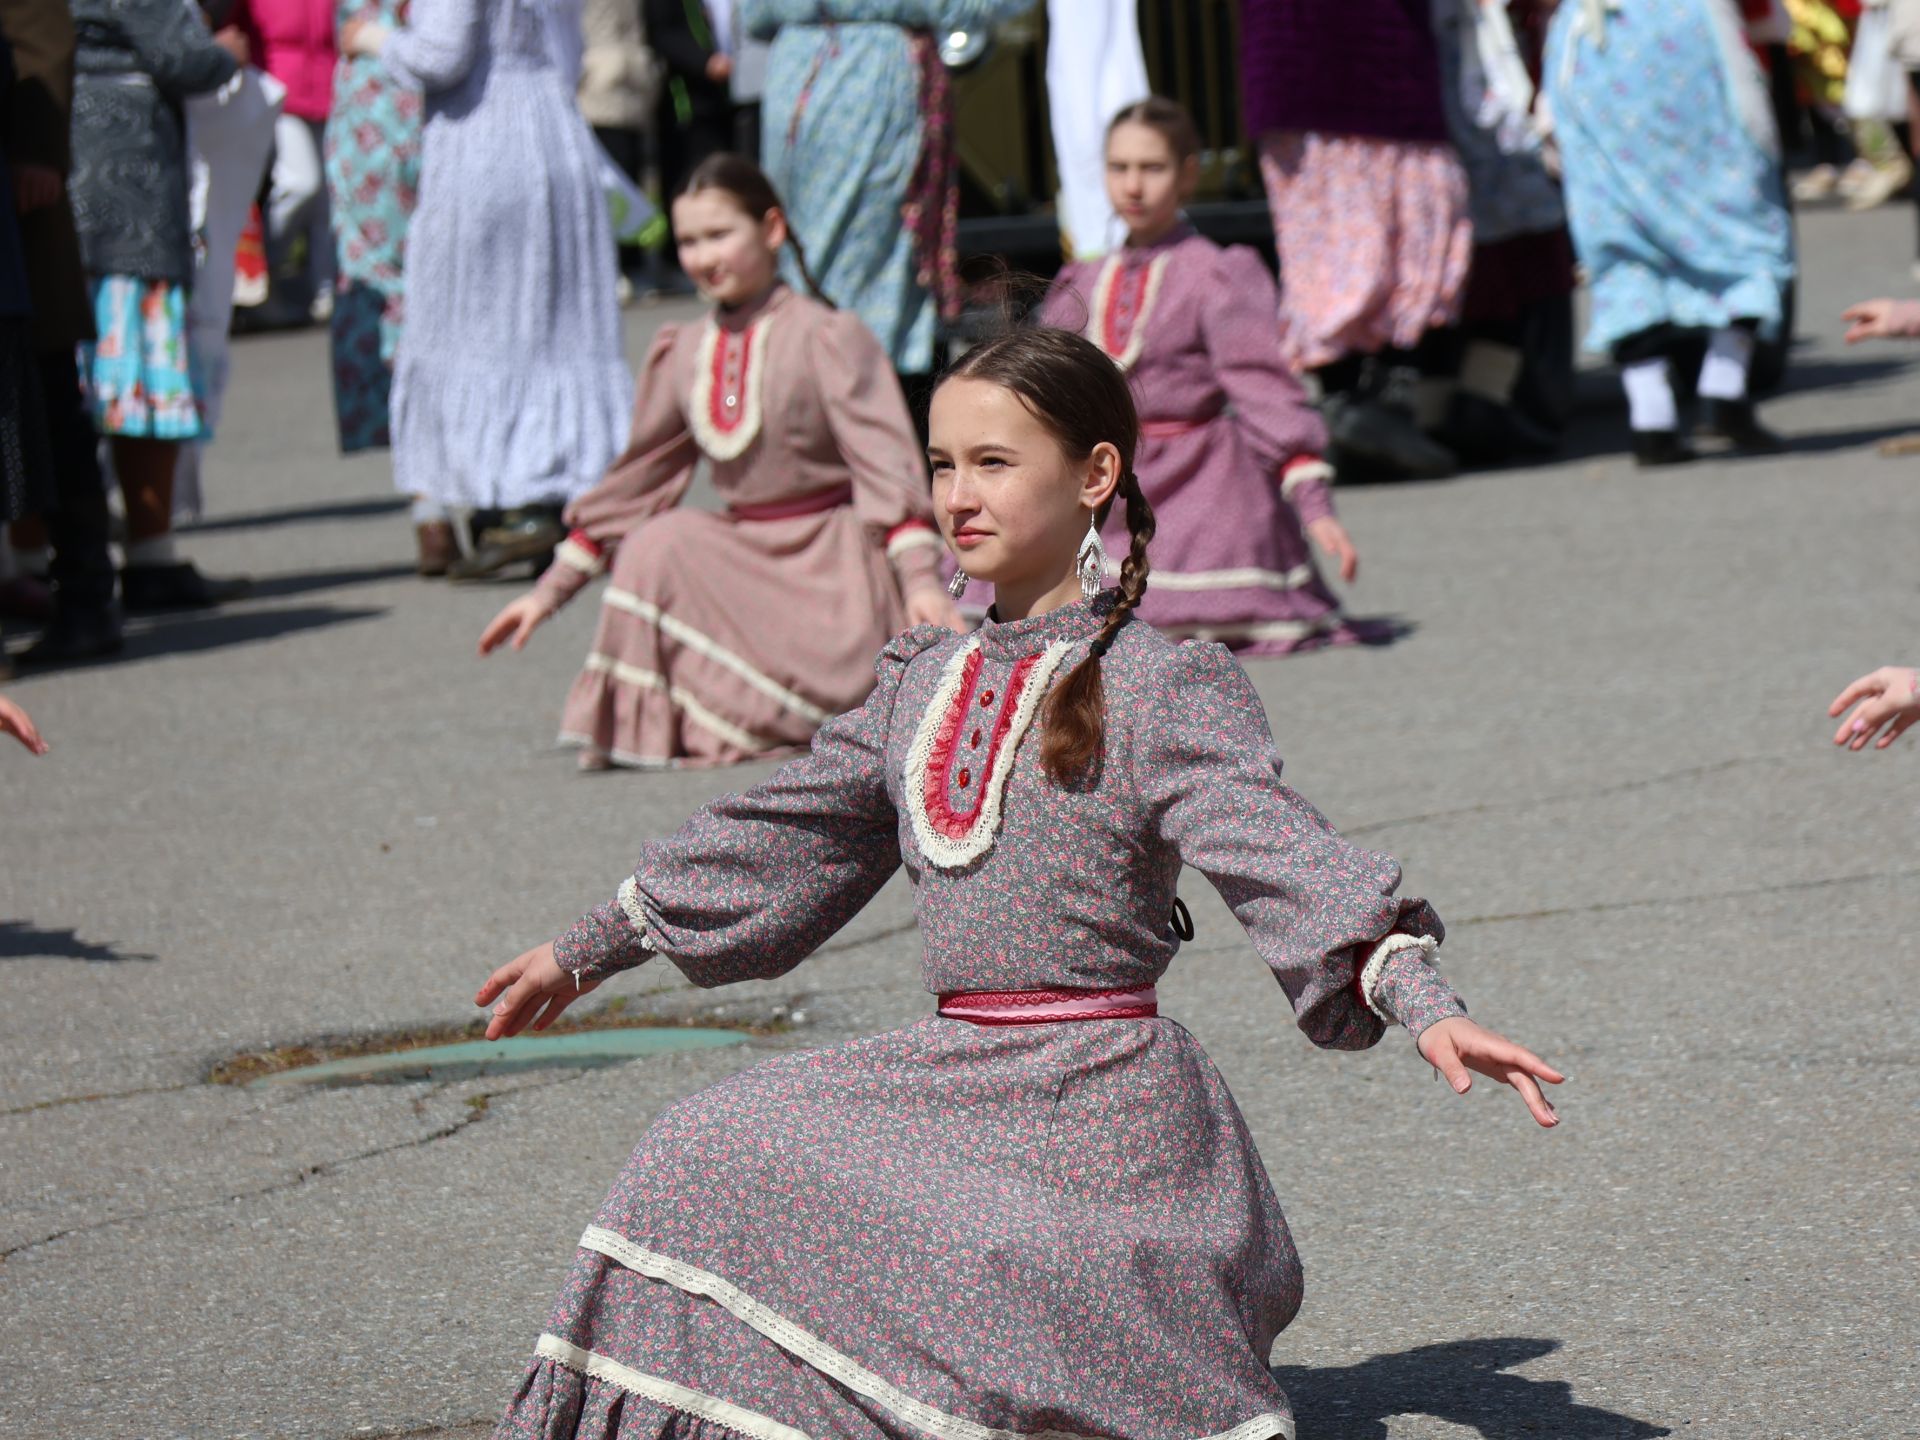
x=1374 y=238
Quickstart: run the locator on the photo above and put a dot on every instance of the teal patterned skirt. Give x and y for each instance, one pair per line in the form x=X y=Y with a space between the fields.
x=139 y=380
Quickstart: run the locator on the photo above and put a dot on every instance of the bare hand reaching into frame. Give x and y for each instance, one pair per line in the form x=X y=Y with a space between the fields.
x=1457 y=1045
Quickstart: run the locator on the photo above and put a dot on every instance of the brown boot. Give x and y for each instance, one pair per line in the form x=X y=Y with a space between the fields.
x=437 y=547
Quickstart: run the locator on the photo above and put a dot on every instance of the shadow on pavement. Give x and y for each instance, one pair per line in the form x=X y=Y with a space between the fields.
x=1462 y=1382
x=306 y=582
x=190 y=634
x=363 y=509
x=22 y=940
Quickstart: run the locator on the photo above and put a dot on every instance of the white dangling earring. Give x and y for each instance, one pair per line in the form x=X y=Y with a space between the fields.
x=1091 y=562
x=957 y=586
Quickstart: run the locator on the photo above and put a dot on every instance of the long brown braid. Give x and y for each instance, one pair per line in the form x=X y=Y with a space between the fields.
x=747 y=183
x=1080 y=396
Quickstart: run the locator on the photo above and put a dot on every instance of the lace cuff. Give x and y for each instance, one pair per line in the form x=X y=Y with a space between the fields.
x=607 y=939
x=914 y=548
x=1401 y=986
x=1305 y=484
x=575 y=562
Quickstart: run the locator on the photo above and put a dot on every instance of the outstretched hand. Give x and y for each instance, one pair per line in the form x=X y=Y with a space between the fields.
x=16 y=722
x=1332 y=538
x=1457 y=1045
x=516 y=622
x=523 y=986
x=1882 y=320
x=1890 y=696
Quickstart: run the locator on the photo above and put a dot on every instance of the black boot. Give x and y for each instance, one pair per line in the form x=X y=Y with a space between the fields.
x=529 y=534
x=176 y=586
x=1735 y=422
x=76 y=634
x=1374 y=431
x=1653 y=448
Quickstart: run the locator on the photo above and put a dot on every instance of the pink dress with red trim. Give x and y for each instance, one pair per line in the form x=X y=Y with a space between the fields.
x=1230 y=447
x=734 y=635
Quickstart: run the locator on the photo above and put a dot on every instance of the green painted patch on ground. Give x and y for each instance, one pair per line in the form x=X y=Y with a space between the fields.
x=465 y=1059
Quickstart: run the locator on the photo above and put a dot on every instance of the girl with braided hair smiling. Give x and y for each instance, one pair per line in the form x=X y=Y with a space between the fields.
x=1038 y=1210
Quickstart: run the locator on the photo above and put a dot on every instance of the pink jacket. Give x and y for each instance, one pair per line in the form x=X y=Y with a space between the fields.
x=293 y=41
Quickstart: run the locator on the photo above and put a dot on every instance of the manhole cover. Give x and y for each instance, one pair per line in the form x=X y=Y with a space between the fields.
x=584 y=1049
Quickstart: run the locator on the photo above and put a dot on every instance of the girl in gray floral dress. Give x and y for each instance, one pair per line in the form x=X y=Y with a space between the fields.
x=1037 y=1212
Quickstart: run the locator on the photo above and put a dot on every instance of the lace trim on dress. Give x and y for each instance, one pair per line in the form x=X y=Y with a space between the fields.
x=837 y=1365
x=949 y=838
x=750 y=1423
x=1377 y=964
x=725 y=412
x=1122 y=305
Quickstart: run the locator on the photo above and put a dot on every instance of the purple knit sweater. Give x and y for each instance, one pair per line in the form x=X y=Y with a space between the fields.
x=1343 y=67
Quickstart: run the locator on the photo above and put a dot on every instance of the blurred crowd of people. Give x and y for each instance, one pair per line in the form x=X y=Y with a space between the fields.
x=455 y=188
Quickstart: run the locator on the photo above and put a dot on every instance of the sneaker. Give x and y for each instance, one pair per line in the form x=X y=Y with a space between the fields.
x=1887 y=181
x=523 y=535
x=1857 y=173
x=1819 y=183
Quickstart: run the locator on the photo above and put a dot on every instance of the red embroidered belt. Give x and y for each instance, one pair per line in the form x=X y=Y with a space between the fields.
x=1048 y=1007
x=814 y=504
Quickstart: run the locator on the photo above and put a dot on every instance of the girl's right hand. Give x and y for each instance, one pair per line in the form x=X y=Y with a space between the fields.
x=1890 y=696
x=515 y=623
x=16 y=722
x=1882 y=320
x=531 y=988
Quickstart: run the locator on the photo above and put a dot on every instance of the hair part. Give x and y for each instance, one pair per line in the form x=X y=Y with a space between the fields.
x=747 y=185
x=1169 y=119
x=1081 y=399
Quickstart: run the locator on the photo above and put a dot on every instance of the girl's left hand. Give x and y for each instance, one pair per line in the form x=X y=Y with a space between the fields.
x=523 y=986
x=1456 y=1045
x=934 y=607
x=1332 y=538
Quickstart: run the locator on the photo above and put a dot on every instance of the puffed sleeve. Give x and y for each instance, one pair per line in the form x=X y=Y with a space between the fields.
x=868 y=416
x=1270 y=406
x=650 y=476
x=175 y=47
x=755 y=883
x=1321 y=912
x=438 y=45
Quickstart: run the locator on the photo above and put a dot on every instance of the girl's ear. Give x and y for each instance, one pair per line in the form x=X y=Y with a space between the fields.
x=773 y=228
x=1101 y=475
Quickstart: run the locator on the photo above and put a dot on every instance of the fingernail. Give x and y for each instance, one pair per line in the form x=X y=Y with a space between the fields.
x=1460 y=1085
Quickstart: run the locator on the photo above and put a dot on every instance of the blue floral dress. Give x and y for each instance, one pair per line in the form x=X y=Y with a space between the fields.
x=373 y=175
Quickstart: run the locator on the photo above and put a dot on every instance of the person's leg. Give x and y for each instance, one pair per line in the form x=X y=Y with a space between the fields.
x=145 y=470
x=296 y=186
x=319 y=222
x=1653 y=412
x=84 y=625
x=1723 y=385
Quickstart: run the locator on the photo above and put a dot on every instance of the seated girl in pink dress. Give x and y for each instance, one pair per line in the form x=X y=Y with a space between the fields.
x=1229 y=445
x=734 y=636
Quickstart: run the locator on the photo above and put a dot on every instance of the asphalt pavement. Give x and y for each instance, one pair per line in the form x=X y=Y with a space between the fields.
x=1601 y=749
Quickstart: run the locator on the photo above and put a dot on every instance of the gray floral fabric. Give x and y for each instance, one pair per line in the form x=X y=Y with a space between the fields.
x=136 y=61
x=955 y=1230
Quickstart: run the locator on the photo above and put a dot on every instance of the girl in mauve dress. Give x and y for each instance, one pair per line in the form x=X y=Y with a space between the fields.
x=734 y=636
x=1229 y=447
x=1038 y=1211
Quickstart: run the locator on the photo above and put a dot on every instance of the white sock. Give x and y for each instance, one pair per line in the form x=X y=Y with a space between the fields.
x=154 y=550
x=426 y=512
x=1649 y=386
x=34 y=561
x=1723 y=374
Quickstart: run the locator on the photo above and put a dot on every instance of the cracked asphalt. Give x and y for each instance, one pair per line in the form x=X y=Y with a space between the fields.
x=1602 y=751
